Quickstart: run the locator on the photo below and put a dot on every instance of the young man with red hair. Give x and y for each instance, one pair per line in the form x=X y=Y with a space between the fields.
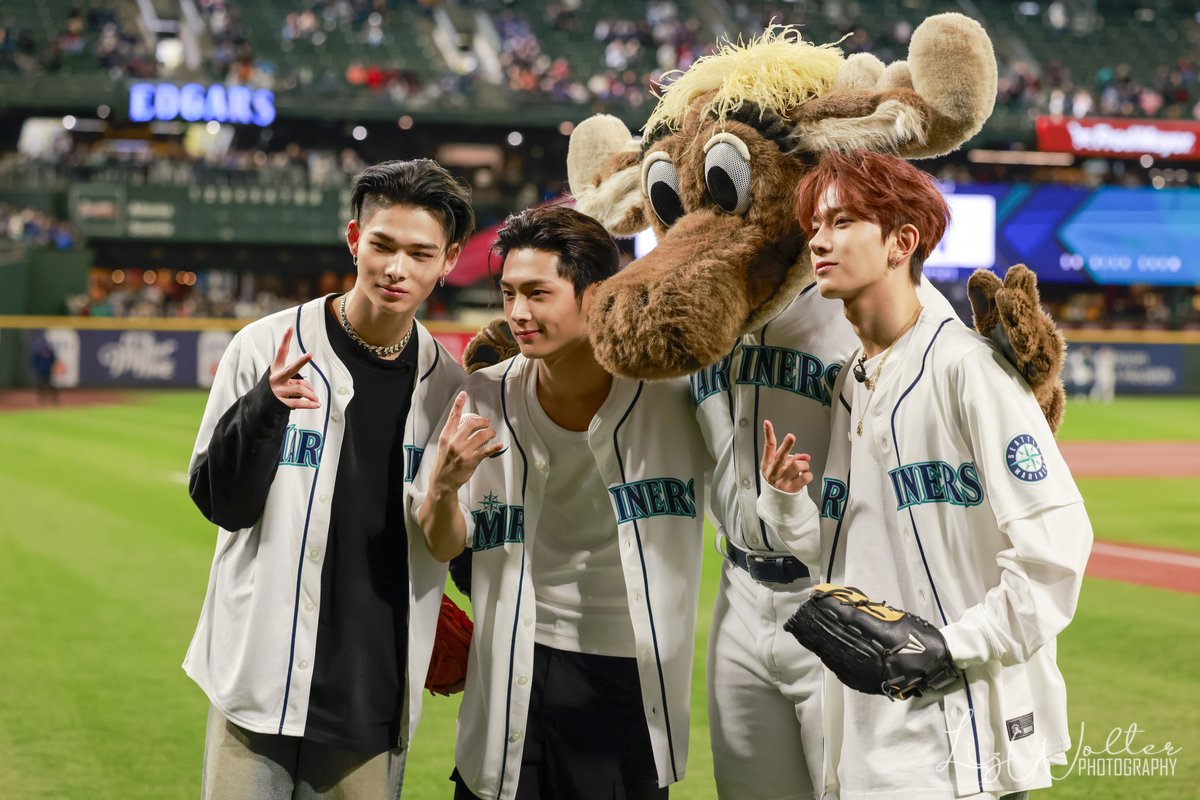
x=945 y=495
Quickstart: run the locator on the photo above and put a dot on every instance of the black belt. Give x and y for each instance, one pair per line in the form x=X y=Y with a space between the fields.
x=764 y=568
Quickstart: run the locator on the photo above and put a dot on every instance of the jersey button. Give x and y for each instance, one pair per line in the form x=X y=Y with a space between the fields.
x=746 y=483
x=521 y=681
x=324 y=498
x=303 y=665
x=309 y=607
x=743 y=422
x=541 y=465
x=314 y=553
x=528 y=621
x=514 y=736
x=879 y=412
x=343 y=390
x=337 y=417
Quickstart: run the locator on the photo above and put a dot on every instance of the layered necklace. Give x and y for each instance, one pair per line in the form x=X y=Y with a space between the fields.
x=382 y=351
x=872 y=380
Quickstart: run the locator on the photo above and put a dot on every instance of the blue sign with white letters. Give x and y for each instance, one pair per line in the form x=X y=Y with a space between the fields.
x=195 y=102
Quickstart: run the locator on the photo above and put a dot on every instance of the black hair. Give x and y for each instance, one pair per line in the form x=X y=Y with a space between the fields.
x=420 y=183
x=586 y=252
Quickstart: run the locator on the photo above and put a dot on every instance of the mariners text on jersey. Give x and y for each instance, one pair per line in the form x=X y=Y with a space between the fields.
x=654 y=497
x=412 y=462
x=497 y=523
x=301 y=448
x=936 y=482
x=772 y=368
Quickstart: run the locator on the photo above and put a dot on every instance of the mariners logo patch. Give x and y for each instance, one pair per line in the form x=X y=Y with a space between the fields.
x=1024 y=458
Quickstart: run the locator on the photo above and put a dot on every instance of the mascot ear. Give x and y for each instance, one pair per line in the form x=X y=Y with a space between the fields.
x=1010 y=314
x=921 y=108
x=604 y=173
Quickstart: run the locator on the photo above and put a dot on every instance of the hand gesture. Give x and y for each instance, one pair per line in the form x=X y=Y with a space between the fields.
x=786 y=472
x=463 y=444
x=286 y=384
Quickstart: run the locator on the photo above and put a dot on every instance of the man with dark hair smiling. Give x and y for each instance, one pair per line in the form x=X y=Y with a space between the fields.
x=581 y=496
x=320 y=614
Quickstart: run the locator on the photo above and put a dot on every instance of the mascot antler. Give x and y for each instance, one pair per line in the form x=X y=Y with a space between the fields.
x=715 y=173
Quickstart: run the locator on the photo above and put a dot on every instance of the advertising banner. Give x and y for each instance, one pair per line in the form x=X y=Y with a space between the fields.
x=1120 y=138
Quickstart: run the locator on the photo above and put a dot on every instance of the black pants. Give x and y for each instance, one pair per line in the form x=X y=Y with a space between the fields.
x=586 y=736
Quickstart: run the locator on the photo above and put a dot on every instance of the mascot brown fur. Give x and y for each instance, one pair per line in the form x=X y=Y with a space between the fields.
x=715 y=173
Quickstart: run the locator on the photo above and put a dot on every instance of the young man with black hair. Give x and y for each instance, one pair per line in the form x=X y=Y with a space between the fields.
x=320 y=614
x=581 y=497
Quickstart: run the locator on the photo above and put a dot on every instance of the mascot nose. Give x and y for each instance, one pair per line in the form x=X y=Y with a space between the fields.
x=680 y=307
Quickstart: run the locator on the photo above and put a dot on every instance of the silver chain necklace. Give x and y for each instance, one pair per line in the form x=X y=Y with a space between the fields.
x=373 y=349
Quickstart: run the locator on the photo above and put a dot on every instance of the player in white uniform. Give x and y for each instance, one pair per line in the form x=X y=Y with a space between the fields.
x=319 y=619
x=586 y=531
x=764 y=700
x=944 y=495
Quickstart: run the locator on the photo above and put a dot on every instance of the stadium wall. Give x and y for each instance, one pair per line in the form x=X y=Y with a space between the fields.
x=183 y=353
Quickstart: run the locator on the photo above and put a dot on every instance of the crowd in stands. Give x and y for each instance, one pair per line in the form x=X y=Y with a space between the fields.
x=292 y=167
x=89 y=38
x=29 y=226
x=635 y=54
x=1174 y=93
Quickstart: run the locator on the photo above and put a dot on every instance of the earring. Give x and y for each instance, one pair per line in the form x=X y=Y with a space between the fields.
x=442 y=282
x=893 y=263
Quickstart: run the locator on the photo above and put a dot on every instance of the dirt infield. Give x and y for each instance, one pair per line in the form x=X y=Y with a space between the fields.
x=1132 y=459
x=1175 y=570
x=25 y=399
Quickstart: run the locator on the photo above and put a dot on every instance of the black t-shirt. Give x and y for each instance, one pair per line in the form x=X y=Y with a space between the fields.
x=362 y=636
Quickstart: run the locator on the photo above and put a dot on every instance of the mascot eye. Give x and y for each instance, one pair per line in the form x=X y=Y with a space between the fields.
x=661 y=185
x=727 y=173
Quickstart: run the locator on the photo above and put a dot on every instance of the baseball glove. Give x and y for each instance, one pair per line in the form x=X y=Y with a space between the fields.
x=871 y=647
x=448 y=665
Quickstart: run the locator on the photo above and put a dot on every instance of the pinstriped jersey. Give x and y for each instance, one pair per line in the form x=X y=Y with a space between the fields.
x=783 y=372
x=653 y=466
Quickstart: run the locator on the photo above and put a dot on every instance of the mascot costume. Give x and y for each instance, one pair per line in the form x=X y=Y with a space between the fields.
x=728 y=299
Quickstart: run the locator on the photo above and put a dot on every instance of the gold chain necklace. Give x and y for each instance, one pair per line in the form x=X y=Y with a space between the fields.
x=382 y=351
x=872 y=380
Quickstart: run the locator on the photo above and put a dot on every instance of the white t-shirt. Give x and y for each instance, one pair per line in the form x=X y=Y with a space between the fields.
x=582 y=605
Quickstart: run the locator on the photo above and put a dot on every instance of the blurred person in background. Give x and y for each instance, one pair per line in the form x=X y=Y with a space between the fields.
x=319 y=619
x=42 y=360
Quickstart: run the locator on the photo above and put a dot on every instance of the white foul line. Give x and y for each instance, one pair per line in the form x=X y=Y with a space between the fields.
x=1140 y=554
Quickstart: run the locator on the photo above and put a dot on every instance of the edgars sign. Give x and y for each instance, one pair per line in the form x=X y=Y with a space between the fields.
x=194 y=102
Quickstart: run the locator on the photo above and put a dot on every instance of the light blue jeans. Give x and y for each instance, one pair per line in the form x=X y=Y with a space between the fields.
x=241 y=764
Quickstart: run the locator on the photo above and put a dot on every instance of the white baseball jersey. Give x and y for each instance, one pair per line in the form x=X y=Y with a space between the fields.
x=783 y=372
x=954 y=504
x=653 y=463
x=252 y=652
x=763 y=687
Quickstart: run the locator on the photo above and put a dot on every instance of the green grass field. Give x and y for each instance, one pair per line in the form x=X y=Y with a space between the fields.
x=103 y=564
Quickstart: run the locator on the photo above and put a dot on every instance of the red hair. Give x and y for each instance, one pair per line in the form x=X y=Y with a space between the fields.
x=886 y=190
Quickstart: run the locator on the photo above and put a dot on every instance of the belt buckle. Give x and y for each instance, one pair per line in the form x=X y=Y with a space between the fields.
x=765 y=569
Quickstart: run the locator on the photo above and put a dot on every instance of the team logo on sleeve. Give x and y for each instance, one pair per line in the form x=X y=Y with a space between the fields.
x=1025 y=459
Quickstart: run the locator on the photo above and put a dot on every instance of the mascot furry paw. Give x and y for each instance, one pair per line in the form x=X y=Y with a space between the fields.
x=1009 y=312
